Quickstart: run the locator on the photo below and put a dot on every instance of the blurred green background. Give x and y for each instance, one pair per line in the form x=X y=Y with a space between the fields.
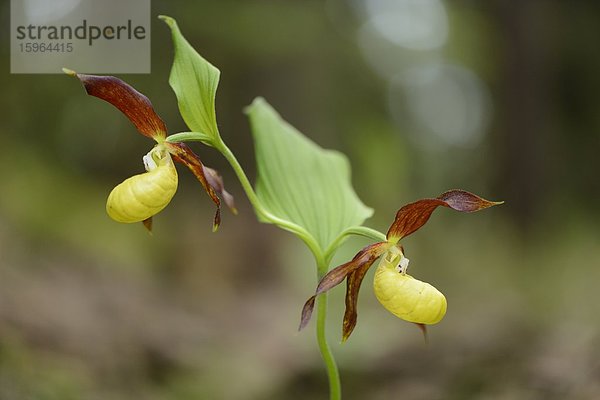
x=499 y=98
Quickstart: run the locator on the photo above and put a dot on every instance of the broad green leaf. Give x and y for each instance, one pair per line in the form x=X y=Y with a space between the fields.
x=194 y=81
x=300 y=182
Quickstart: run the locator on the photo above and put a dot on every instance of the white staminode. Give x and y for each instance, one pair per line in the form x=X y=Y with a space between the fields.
x=395 y=259
x=149 y=162
x=403 y=265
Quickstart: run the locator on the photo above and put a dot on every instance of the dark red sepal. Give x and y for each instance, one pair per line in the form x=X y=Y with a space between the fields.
x=129 y=101
x=413 y=216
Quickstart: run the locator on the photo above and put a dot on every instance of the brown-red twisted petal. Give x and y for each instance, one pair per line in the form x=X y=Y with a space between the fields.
x=334 y=277
x=183 y=154
x=353 y=282
x=413 y=216
x=216 y=181
x=307 y=312
x=129 y=101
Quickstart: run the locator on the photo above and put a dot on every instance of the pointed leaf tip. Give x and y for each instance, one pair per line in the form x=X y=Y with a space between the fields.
x=167 y=20
x=194 y=81
x=257 y=102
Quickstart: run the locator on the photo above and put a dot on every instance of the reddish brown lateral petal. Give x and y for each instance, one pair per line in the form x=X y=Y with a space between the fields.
x=413 y=216
x=183 y=154
x=307 y=312
x=132 y=103
x=337 y=275
x=353 y=282
x=148 y=224
x=334 y=277
x=216 y=181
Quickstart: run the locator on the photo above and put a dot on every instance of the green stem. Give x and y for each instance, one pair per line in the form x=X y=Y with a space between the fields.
x=190 y=137
x=354 y=230
x=335 y=387
x=366 y=232
x=245 y=182
x=258 y=207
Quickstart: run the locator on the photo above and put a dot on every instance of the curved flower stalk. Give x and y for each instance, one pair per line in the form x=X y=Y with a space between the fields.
x=139 y=198
x=401 y=294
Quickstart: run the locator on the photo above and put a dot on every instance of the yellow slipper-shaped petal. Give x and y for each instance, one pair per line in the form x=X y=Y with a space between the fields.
x=408 y=298
x=142 y=196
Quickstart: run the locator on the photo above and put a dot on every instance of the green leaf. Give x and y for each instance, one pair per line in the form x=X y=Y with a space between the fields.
x=194 y=81
x=300 y=182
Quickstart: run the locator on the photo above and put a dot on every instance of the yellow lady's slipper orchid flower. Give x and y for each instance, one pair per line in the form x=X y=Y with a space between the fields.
x=404 y=296
x=401 y=294
x=140 y=197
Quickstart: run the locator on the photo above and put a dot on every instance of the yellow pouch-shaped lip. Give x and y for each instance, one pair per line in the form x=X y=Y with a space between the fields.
x=408 y=298
x=142 y=196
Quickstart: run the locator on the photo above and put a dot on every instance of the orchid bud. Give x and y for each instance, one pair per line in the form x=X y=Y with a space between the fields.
x=404 y=296
x=142 y=196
